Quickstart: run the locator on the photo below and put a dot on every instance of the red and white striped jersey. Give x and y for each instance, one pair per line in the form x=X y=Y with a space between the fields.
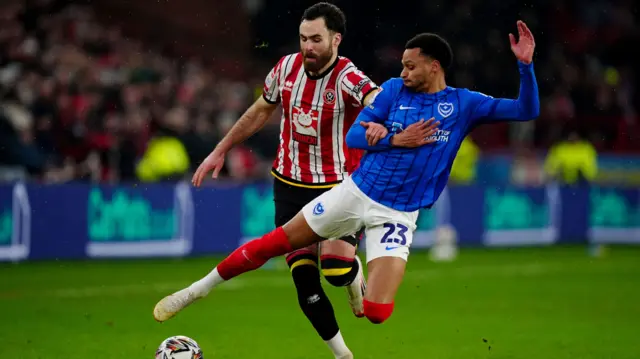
x=317 y=113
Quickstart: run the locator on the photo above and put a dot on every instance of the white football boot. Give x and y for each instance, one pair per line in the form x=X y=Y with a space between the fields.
x=356 y=290
x=170 y=305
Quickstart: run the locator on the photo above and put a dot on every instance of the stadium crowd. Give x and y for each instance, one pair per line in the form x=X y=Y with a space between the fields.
x=82 y=101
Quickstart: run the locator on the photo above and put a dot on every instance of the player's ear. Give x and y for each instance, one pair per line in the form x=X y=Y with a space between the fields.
x=337 y=39
x=435 y=65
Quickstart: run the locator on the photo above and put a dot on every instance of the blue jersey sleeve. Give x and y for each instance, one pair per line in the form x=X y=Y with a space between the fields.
x=526 y=107
x=378 y=112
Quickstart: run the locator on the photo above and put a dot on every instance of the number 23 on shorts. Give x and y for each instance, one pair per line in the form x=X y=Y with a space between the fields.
x=395 y=233
x=392 y=239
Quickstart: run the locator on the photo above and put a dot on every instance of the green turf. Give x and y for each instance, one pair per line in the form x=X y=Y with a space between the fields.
x=551 y=303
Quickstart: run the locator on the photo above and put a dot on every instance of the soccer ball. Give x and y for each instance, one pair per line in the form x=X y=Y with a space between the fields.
x=179 y=347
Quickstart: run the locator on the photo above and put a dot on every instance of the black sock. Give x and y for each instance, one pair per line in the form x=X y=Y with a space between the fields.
x=313 y=301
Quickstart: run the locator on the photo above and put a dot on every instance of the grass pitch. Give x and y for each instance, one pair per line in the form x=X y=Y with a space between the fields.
x=553 y=303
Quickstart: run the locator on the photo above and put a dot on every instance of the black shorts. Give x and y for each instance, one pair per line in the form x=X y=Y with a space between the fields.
x=289 y=200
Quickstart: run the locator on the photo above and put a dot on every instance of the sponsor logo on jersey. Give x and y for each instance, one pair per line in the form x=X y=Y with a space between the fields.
x=305 y=126
x=440 y=136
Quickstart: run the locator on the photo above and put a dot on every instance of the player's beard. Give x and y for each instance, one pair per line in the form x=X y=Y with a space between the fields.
x=317 y=61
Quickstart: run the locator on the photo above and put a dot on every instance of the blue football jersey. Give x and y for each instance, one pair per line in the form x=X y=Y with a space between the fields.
x=408 y=179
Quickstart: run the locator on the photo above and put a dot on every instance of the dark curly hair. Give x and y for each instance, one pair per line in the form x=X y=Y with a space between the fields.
x=333 y=17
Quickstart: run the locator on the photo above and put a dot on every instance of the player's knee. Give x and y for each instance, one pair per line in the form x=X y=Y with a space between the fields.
x=304 y=271
x=377 y=313
x=338 y=271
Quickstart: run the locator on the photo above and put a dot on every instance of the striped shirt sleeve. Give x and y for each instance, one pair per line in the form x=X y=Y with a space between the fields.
x=357 y=85
x=271 y=89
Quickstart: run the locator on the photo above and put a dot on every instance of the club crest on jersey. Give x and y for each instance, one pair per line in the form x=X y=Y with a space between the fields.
x=445 y=109
x=318 y=209
x=305 y=126
x=329 y=96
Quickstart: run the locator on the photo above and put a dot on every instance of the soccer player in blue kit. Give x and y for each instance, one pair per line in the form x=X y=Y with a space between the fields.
x=404 y=169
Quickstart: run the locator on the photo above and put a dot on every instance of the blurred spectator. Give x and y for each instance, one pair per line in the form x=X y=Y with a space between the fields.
x=165 y=160
x=17 y=140
x=463 y=170
x=527 y=169
x=572 y=161
x=81 y=101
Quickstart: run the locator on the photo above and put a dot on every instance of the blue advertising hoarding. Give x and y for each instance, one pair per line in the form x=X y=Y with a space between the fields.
x=177 y=220
x=514 y=216
x=15 y=223
x=154 y=221
x=614 y=215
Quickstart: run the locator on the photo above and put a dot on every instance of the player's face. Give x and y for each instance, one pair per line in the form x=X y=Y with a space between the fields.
x=317 y=44
x=417 y=69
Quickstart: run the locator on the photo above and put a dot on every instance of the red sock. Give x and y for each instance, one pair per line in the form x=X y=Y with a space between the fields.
x=377 y=313
x=252 y=255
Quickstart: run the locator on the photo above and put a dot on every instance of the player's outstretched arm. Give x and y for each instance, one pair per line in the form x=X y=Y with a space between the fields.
x=527 y=105
x=253 y=119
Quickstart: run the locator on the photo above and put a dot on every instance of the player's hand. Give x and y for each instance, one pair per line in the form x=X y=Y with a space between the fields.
x=523 y=49
x=417 y=134
x=375 y=132
x=213 y=162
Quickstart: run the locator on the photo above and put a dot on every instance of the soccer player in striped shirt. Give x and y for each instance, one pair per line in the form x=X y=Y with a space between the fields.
x=405 y=168
x=321 y=95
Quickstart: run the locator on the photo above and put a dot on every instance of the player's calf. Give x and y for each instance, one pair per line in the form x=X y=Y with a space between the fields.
x=385 y=276
x=312 y=299
x=314 y=302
